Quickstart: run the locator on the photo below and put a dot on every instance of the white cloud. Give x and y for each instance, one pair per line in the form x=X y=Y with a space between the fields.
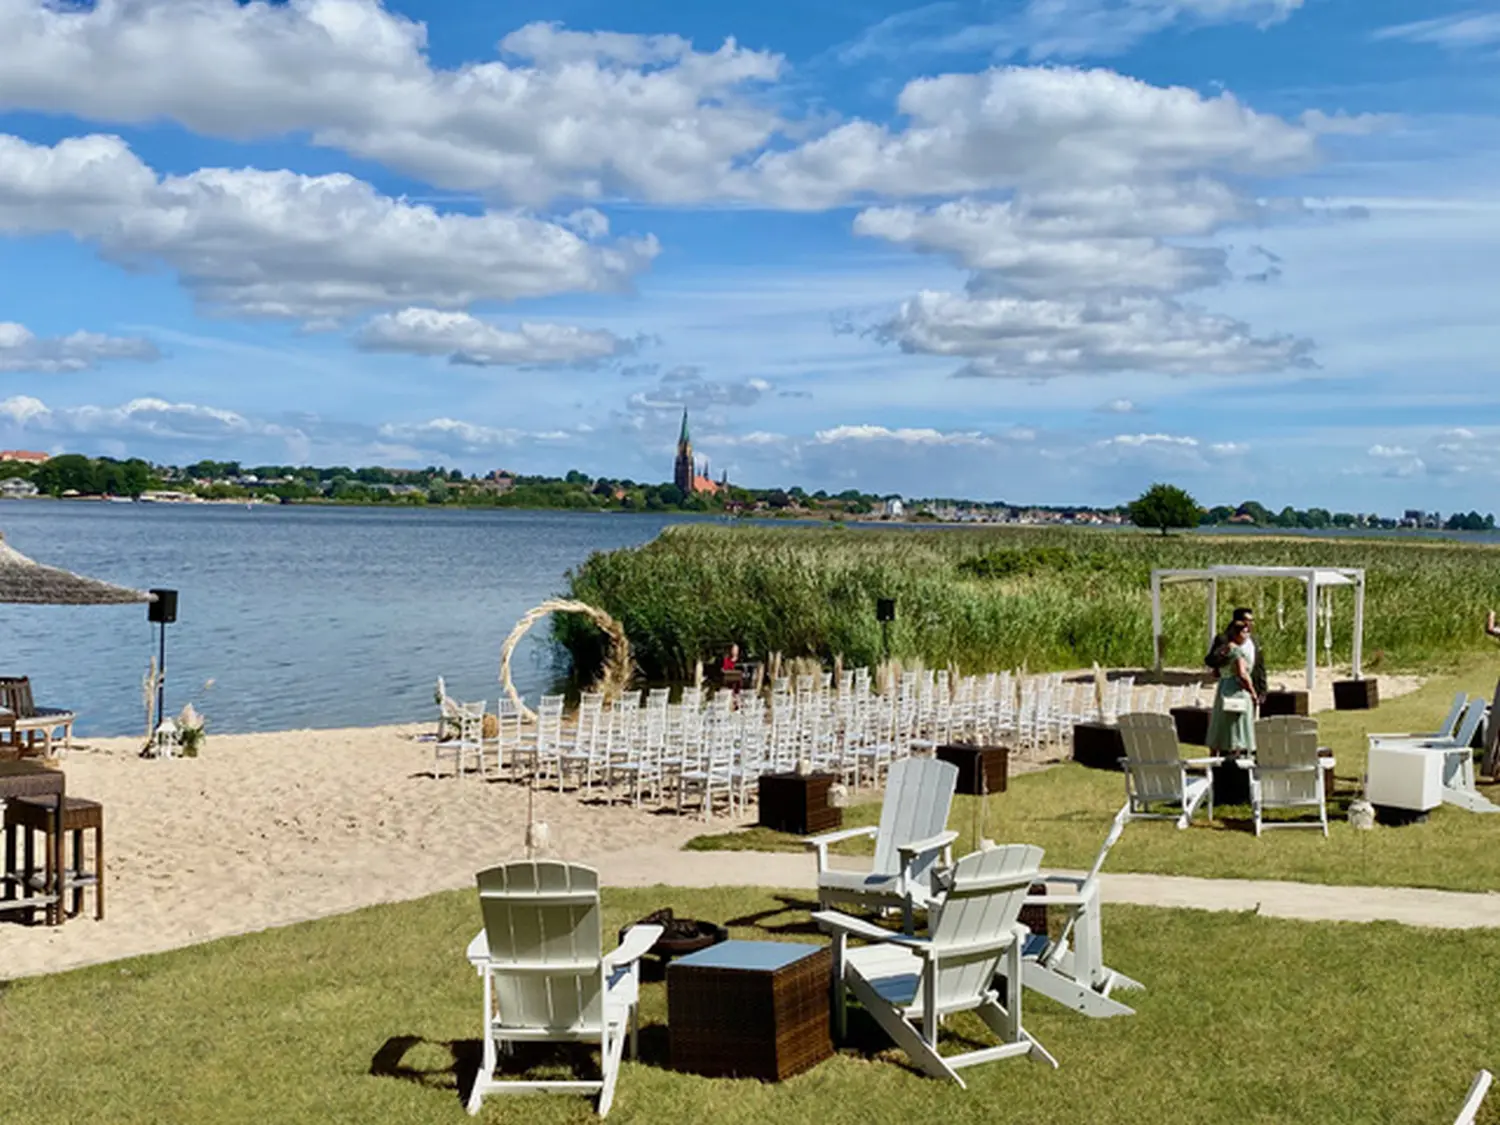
x=467 y=339
x=138 y=418
x=23 y=350
x=1008 y=337
x=1023 y=254
x=1055 y=28
x=450 y=432
x=1118 y=406
x=903 y=436
x=1027 y=127
x=754 y=438
x=1137 y=441
x=1456 y=31
x=684 y=388
x=583 y=114
x=279 y=244
x=1391 y=451
x=1079 y=28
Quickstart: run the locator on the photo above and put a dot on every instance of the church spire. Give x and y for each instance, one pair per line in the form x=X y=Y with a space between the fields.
x=684 y=438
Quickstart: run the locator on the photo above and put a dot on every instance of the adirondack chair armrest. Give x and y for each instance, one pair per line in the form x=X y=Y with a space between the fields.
x=911 y=851
x=638 y=942
x=1288 y=769
x=1203 y=763
x=821 y=843
x=478 y=952
x=841 y=923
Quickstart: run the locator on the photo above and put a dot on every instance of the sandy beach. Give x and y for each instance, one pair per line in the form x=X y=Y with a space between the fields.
x=268 y=829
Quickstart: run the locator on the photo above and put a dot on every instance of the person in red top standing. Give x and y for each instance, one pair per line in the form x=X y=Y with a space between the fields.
x=731 y=660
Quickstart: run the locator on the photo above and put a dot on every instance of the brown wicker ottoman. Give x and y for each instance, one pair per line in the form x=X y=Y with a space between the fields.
x=750 y=1009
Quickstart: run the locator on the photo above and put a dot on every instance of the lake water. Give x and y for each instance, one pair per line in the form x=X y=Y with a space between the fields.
x=302 y=616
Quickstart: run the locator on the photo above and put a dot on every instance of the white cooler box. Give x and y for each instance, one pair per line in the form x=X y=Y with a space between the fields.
x=1404 y=778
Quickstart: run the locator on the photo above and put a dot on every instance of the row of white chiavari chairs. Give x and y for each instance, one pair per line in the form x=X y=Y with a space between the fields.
x=706 y=753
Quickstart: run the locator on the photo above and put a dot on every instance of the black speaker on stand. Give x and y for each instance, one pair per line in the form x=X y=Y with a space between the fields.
x=161 y=612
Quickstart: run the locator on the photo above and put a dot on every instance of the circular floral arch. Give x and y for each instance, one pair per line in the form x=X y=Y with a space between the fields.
x=612 y=680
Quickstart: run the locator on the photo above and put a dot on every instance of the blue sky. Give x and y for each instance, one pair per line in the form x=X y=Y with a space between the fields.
x=1038 y=250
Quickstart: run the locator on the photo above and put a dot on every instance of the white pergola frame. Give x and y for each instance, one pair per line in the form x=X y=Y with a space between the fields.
x=1315 y=578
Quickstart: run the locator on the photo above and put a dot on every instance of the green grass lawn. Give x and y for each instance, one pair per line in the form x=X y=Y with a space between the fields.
x=372 y=1017
x=1067 y=811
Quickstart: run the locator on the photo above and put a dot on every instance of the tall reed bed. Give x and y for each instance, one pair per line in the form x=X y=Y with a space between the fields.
x=993 y=598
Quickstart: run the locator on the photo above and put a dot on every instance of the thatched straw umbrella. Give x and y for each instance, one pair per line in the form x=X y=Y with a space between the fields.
x=27 y=582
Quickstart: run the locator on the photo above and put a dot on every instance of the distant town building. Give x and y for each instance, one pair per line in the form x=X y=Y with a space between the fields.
x=892 y=508
x=25 y=456
x=685 y=474
x=12 y=488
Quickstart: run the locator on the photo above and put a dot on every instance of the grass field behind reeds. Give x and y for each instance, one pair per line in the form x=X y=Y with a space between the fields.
x=994 y=598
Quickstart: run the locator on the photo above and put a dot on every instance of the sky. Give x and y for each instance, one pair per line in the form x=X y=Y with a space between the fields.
x=1042 y=251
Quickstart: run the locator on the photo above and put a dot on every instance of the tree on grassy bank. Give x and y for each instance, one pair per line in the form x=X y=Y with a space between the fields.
x=1164 y=506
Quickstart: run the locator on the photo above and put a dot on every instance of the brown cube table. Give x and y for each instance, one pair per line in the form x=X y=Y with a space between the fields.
x=797 y=803
x=1192 y=724
x=750 y=1009
x=1098 y=745
x=981 y=769
x=1356 y=695
x=1284 y=703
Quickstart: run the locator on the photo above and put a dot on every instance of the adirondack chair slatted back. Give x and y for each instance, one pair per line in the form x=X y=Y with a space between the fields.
x=542 y=918
x=1154 y=771
x=1467 y=729
x=918 y=795
x=1455 y=713
x=1285 y=742
x=975 y=920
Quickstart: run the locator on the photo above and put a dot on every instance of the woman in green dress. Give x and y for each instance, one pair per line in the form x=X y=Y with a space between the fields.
x=1231 y=729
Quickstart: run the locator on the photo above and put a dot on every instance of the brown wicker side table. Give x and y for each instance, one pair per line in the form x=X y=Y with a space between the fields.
x=797 y=803
x=31 y=815
x=750 y=1009
x=981 y=769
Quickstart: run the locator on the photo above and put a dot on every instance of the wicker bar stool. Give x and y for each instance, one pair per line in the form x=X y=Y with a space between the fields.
x=27 y=816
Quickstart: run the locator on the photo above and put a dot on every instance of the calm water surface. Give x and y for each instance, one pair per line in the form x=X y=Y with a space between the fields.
x=302 y=616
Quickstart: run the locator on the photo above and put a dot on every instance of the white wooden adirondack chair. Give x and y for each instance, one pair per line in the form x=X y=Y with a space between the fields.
x=1458 y=759
x=1477 y=1090
x=1444 y=730
x=546 y=978
x=1156 y=773
x=1286 y=772
x=913 y=835
x=909 y=985
x=1071 y=969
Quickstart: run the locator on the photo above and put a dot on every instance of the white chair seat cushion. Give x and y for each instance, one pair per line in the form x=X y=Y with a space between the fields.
x=859 y=882
x=893 y=972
